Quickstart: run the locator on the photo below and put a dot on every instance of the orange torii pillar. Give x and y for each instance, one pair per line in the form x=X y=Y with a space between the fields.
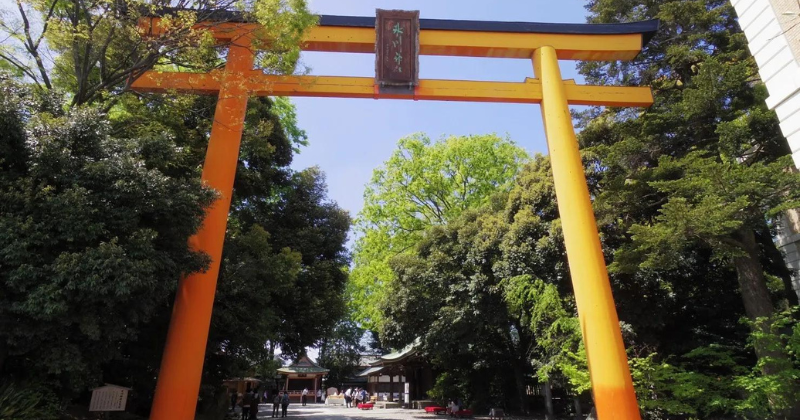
x=614 y=396
x=184 y=353
x=181 y=367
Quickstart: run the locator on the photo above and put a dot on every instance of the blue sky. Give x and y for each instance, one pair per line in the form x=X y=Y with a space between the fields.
x=351 y=137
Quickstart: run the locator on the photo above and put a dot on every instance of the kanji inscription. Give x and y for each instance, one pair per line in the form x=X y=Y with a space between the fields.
x=397 y=48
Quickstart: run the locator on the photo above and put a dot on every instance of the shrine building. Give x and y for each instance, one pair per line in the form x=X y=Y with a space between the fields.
x=303 y=374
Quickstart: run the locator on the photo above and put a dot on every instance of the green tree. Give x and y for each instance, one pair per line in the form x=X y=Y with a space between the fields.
x=485 y=287
x=705 y=167
x=423 y=184
x=283 y=271
x=92 y=240
x=340 y=352
x=95 y=50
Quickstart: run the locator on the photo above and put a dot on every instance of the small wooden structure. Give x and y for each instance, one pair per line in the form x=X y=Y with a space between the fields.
x=303 y=374
x=241 y=385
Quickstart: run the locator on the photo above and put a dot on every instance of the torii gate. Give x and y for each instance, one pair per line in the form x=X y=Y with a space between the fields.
x=397 y=68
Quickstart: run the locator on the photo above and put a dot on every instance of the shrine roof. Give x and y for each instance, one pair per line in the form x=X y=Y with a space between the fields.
x=303 y=365
x=398 y=356
x=370 y=371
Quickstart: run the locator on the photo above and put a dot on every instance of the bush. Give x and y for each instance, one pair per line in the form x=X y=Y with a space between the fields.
x=19 y=402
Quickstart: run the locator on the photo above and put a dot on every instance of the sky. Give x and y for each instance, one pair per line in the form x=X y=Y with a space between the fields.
x=349 y=138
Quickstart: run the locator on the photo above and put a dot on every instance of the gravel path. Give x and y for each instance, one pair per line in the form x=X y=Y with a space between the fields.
x=323 y=412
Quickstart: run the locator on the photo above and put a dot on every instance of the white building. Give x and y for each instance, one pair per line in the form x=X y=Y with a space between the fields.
x=772 y=28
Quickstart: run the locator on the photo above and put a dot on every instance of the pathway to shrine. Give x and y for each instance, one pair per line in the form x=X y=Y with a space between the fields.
x=323 y=412
x=326 y=412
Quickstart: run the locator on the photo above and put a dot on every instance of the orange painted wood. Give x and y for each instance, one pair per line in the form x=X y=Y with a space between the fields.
x=444 y=43
x=527 y=92
x=182 y=364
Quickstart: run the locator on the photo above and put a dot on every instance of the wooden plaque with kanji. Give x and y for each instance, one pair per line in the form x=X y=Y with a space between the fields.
x=397 y=48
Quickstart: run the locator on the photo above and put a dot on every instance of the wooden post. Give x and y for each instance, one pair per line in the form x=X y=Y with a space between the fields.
x=182 y=364
x=608 y=364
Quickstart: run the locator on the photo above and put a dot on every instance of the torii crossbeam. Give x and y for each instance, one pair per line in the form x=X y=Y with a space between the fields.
x=544 y=43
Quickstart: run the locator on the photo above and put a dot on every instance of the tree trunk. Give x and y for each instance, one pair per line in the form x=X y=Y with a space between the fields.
x=519 y=378
x=548 y=400
x=578 y=413
x=775 y=264
x=753 y=287
x=752 y=284
x=522 y=363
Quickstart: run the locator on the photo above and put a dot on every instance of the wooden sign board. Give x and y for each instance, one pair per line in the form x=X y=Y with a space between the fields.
x=397 y=48
x=109 y=398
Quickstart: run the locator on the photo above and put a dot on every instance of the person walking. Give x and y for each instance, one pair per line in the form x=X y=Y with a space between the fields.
x=276 y=402
x=303 y=396
x=319 y=396
x=234 y=399
x=248 y=396
x=364 y=396
x=348 y=397
x=284 y=403
x=254 y=405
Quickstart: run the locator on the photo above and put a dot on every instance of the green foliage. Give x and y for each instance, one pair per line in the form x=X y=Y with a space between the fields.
x=340 y=352
x=665 y=389
x=557 y=332
x=282 y=277
x=447 y=388
x=284 y=111
x=29 y=402
x=486 y=293
x=97 y=49
x=685 y=193
x=771 y=385
x=714 y=380
x=423 y=184
x=91 y=240
x=708 y=201
x=285 y=23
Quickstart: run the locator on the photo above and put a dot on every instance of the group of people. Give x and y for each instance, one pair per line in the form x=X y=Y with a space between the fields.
x=251 y=398
x=353 y=397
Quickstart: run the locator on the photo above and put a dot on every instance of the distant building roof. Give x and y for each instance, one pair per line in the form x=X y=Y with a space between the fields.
x=397 y=356
x=368 y=359
x=370 y=371
x=303 y=365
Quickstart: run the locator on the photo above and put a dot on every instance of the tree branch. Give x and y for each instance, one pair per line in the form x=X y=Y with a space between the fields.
x=33 y=48
x=21 y=67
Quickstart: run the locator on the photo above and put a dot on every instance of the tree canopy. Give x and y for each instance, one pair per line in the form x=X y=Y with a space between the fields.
x=94 y=49
x=422 y=184
x=696 y=179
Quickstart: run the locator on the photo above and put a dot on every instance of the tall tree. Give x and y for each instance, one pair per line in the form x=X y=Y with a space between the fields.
x=340 y=352
x=468 y=290
x=423 y=184
x=92 y=240
x=95 y=49
x=283 y=271
x=706 y=165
